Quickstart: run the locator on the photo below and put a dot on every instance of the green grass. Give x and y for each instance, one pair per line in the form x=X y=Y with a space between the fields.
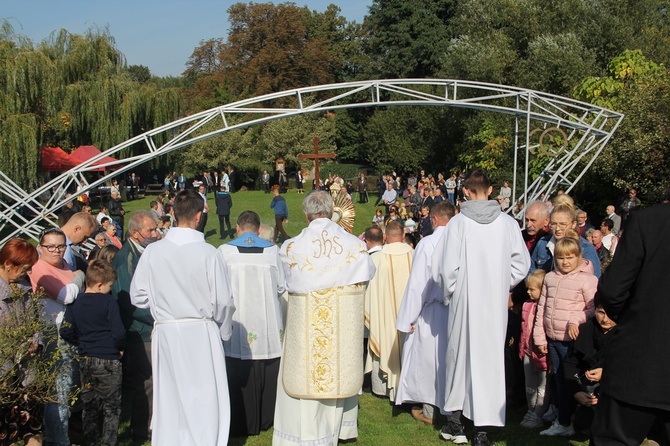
x=379 y=423
x=259 y=202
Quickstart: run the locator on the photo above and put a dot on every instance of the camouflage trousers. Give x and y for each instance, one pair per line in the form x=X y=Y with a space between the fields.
x=101 y=399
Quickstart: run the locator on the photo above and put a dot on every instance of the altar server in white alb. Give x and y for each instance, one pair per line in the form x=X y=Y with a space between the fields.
x=477 y=261
x=423 y=316
x=184 y=282
x=321 y=370
x=254 y=349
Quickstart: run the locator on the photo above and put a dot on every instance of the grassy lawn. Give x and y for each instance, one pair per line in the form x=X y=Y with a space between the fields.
x=379 y=423
x=259 y=202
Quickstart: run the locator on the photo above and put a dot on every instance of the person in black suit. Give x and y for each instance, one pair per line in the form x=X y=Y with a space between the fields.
x=583 y=224
x=232 y=178
x=634 y=293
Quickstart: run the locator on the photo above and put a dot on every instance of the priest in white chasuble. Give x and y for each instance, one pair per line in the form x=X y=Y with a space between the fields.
x=183 y=281
x=480 y=257
x=321 y=369
x=253 y=351
x=423 y=317
x=383 y=299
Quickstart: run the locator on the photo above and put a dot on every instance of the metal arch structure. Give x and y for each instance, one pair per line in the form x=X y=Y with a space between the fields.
x=577 y=132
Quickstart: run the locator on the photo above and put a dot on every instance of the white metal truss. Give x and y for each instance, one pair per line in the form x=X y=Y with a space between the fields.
x=583 y=130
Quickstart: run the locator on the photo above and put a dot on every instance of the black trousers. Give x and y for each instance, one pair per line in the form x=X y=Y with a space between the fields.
x=224 y=219
x=620 y=423
x=202 y=223
x=139 y=378
x=253 y=393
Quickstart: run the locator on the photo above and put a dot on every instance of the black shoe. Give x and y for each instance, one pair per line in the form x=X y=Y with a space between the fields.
x=453 y=432
x=481 y=439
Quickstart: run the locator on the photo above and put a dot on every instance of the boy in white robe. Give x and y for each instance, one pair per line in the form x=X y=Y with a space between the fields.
x=478 y=260
x=423 y=317
x=184 y=282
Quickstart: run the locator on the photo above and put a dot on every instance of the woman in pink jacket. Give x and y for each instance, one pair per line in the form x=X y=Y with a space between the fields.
x=566 y=301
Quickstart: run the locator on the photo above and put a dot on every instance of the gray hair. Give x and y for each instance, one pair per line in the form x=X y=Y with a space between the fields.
x=267 y=233
x=318 y=204
x=541 y=208
x=137 y=220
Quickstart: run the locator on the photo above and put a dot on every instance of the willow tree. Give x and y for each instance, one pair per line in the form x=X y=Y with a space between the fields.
x=70 y=90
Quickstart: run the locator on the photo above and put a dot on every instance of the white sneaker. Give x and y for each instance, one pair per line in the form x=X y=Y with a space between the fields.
x=557 y=429
x=531 y=421
x=550 y=415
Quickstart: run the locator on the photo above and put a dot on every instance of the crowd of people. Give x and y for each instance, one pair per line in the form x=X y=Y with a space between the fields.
x=450 y=312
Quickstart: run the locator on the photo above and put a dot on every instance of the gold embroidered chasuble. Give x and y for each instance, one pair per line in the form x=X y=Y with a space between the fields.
x=383 y=298
x=322 y=352
x=327 y=270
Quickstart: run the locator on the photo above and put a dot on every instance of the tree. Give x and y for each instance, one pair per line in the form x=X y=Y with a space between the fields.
x=139 y=73
x=638 y=154
x=406 y=138
x=409 y=39
x=271 y=48
x=205 y=59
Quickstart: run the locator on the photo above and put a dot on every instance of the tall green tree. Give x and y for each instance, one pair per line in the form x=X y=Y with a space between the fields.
x=639 y=153
x=409 y=39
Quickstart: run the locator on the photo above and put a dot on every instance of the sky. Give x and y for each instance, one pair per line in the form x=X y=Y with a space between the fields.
x=160 y=34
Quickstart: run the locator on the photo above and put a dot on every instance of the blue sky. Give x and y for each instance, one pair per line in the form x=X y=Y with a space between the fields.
x=160 y=34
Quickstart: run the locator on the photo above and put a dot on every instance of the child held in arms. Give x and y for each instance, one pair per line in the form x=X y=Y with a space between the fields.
x=93 y=324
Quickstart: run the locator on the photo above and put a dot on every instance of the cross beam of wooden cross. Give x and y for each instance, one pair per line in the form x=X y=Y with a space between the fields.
x=316 y=156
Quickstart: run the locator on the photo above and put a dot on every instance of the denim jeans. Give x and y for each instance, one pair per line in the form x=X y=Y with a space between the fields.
x=558 y=350
x=56 y=415
x=101 y=398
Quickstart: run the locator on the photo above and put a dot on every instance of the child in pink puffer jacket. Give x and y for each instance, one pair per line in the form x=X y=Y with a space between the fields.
x=566 y=301
x=535 y=364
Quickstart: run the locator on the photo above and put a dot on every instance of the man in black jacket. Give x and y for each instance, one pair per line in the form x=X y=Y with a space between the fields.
x=116 y=211
x=634 y=293
x=224 y=202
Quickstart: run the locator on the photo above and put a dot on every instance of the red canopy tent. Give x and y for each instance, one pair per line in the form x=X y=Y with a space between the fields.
x=55 y=159
x=84 y=153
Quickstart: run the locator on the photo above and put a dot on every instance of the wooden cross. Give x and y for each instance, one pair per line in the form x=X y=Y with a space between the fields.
x=316 y=156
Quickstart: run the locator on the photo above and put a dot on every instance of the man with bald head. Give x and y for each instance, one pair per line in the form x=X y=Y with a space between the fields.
x=615 y=219
x=603 y=253
x=383 y=298
x=77 y=229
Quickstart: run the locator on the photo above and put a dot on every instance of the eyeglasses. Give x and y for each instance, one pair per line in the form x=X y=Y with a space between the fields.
x=559 y=225
x=54 y=248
